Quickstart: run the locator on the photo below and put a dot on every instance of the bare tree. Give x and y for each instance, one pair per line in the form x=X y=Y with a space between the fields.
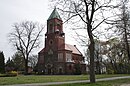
x=25 y=37
x=116 y=61
x=90 y=12
x=123 y=25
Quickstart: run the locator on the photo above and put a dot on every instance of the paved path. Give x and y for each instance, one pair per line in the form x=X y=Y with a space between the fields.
x=68 y=82
x=125 y=85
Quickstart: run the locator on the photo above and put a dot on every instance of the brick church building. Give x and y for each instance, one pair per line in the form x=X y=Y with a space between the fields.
x=57 y=57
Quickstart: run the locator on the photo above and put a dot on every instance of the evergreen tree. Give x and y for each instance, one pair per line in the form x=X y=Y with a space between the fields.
x=2 y=63
x=15 y=63
x=9 y=65
x=18 y=61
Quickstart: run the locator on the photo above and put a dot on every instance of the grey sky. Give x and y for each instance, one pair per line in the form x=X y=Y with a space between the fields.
x=12 y=11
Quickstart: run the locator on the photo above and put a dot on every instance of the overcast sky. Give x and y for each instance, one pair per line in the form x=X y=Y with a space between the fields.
x=12 y=11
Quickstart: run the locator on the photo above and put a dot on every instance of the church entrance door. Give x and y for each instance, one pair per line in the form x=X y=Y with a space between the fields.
x=49 y=69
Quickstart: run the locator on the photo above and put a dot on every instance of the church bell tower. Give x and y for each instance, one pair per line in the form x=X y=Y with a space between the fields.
x=54 y=40
x=54 y=37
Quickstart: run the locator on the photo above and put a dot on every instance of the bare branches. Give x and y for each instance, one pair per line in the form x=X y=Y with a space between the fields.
x=92 y=11
x=35 y=40
x=87 y=15
x=70 y=18
x=25 y=36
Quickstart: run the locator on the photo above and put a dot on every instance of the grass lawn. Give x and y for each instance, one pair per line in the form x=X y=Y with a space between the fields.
x=21 y=79
x=102 y=83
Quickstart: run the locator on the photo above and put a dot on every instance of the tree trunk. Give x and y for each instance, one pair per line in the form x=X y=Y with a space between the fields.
x=127 y=45
x=91 y=50
x=92 y=70
x=126 y=40
x=98 y=68
x=26 y=66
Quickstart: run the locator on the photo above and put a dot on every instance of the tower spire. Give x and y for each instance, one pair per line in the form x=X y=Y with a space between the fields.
x=54 y=14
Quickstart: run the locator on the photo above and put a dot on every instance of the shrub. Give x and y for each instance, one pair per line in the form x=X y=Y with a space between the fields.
x=12 y=73
x=9 y=74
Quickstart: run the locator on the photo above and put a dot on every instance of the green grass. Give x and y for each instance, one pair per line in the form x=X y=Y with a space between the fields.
x=110 y=75
x=38 y=79
x=102 y=83
x=44 y=78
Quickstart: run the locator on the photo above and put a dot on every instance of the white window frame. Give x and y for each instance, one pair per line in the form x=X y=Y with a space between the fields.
x=68 y=57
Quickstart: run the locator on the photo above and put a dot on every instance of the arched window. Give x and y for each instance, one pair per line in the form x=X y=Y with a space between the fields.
x=59 y=27
x=50 y=29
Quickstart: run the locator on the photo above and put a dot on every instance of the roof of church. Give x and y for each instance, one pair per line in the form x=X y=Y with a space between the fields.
x=42 y=50
x=69 y=47
x=72 y=48
x=54 y=14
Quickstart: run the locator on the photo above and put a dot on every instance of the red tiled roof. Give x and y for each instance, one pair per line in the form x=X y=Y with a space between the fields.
x=69 y=47
x=72 y=48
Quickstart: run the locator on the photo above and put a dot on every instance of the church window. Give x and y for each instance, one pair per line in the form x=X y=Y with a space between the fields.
x=60 y=57
x=51 y=29
x=58 y=26
x=68 y=57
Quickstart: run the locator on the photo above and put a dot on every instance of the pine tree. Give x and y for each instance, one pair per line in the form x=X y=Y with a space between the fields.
x=2 y=63
x=9 y=66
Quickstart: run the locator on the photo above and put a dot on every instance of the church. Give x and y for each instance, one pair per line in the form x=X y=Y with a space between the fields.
x=57 y=57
